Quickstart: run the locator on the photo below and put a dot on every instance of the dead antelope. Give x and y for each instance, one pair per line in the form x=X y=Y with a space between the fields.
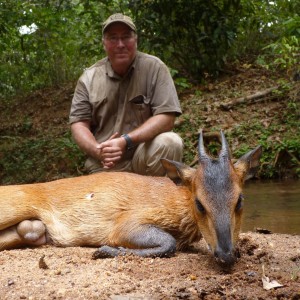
x=128 y=213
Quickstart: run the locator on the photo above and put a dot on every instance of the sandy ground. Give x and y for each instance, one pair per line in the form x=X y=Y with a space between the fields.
x=69 y=273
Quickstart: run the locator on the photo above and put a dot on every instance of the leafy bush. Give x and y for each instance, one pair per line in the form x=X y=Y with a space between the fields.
x=65 y=41
x=283 y=55
x=39 y=159
x=194 y=35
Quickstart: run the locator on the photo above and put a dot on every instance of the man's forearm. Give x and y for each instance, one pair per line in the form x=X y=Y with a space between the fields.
x=152 y=127
x=84 y=138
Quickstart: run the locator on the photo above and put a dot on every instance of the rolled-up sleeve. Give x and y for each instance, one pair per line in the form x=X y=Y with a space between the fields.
x=164 y=98
x=81 y=108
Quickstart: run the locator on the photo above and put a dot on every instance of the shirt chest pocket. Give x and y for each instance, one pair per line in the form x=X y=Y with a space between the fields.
x=140 y=109
x=103 y=115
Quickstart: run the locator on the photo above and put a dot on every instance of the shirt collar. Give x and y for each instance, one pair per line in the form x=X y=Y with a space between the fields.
x=111 y=73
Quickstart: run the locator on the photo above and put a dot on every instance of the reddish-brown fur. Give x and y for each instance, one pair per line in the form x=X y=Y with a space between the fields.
x=127 y=210
x=97 y=209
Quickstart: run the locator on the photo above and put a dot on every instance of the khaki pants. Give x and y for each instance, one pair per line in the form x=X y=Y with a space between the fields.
x=146 y=158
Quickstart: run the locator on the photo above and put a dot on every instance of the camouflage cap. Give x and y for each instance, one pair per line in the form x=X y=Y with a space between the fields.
x=118 y=18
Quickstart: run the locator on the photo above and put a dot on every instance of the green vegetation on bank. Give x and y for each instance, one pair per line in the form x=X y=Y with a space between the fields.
x=273 y=124
x=48 y=44
x=40 y=151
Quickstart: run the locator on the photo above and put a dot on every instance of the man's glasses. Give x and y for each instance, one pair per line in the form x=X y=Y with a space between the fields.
x=125 y=39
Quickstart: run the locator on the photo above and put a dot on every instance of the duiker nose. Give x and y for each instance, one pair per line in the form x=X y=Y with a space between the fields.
x=225 y=258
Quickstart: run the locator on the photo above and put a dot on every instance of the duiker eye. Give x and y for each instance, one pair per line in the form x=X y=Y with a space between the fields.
x=239 y=204
x=200 y=207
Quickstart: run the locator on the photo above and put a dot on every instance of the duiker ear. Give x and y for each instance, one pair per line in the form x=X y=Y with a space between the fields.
x=178 y=172
x=248 y=164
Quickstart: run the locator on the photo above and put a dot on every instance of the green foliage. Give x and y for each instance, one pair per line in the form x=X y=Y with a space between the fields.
x=284 y=54
x=264 y=22
x=53 y=54
x=288 y=143
x=282 y=48
x=181 y=83
x=194 y=35
x=38 y=159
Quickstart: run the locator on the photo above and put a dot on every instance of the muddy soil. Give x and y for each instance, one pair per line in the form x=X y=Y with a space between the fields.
x=49 y=272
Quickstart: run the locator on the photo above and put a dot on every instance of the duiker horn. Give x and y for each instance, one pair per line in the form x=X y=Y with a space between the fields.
x=201 y=150
x=225 y=151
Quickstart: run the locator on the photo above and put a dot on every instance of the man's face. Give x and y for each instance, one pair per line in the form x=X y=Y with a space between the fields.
x=120 y=44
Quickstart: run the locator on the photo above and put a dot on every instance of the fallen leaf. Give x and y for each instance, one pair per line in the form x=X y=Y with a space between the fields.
x=267 y=284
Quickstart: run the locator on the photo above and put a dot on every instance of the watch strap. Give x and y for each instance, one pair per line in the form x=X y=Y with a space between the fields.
x=129 y=143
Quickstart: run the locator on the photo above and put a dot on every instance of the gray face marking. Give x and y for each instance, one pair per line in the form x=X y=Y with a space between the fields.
x=219 y=189
x=217 y=183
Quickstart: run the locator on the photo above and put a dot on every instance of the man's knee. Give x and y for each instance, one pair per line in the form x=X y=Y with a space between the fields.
x=169 y=144
x=146 y=160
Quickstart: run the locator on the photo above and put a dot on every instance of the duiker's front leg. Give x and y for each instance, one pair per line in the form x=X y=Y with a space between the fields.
x=28 y=232
x=147 y=241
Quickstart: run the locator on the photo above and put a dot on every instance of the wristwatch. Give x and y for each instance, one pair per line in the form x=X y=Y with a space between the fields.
x=129 y=143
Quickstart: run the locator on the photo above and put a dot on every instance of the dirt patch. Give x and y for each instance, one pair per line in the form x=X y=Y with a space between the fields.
x=70 y=273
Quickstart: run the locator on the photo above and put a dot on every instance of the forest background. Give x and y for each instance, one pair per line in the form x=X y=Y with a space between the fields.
x=235 y=63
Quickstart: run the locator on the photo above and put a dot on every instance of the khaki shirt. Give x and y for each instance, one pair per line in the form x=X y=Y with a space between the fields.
x=121 y=104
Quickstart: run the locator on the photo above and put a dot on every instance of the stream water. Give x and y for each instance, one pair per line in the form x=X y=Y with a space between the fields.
x=272 y=205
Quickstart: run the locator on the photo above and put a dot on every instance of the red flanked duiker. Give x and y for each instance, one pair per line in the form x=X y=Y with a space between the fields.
x=128 y=213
